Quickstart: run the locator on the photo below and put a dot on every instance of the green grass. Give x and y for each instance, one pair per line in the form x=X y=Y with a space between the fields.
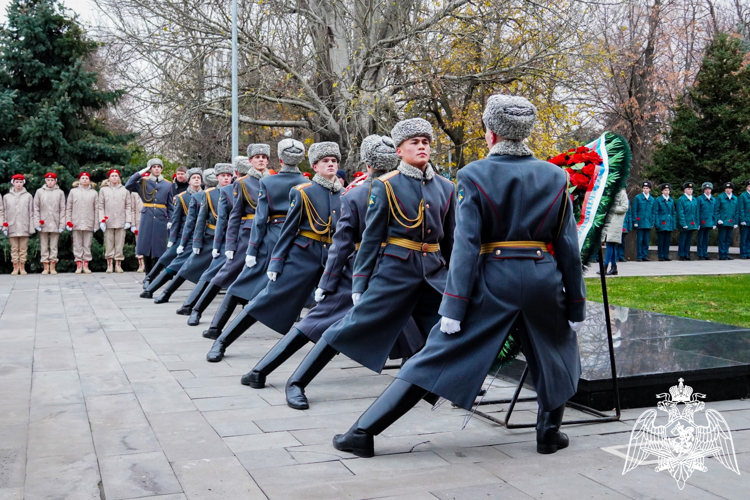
x=721 y=299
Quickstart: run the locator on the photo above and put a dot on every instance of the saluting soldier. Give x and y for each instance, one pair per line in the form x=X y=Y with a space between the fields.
x=81 y=213
x=190 y=200
x=412 y=211
x=706 y=215
x=270 y=214
x=239 y=225
x=49 y=214
x=664 y=219
x=727 y=218
x=156 y=194
x=115 y=214
x=687 y=219
x=502 y=277
x=299 y=257
x=643 y=220
x=745 y=222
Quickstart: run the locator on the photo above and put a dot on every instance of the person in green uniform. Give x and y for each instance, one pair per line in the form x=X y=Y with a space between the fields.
x=643 y=220
x=726 y=215
x=706 y=210
x=664 y=215
x=687 y=219
x=744 y=217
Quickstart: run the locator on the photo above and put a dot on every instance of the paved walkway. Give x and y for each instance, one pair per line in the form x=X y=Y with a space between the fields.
x=104 y=395
x=677 y=268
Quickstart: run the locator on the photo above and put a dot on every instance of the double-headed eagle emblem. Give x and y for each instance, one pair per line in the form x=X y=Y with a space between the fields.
x=681 y=446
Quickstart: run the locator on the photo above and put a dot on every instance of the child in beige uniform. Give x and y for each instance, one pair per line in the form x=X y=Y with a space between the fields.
x=17 y=215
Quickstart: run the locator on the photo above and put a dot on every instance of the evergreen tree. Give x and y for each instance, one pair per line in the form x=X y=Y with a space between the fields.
x=709 y=138
x=50 y=102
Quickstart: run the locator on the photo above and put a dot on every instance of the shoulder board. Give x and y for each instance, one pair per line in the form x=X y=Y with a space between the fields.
x=388 y=176
x=300 y=187
x=180 y=195
x=242 y=178
x=209 y=189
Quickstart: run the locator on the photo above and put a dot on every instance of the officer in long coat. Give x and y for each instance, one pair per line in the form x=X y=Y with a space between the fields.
x=202 y=236
x=643 y=220
x=299 y=257
x=334 y=293
x=411 y=210
x=502 y=278
x=664 y=221
x=706 y=211
x=192 y=199
x=744 y=218
x=156 y=212
x=239 y=224
x=687 y=219
x=270 y=214
x=727 y=218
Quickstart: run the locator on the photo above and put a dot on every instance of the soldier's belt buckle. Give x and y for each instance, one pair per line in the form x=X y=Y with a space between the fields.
x=425 y=247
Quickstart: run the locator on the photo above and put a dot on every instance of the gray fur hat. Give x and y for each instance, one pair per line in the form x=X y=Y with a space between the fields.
x=193 y=171
x=258 y=149
x=209 y=177
x=320 y=150
x=154 y=161
x=223 y=168
x=241 y=164
x=291 y=152
x=413 y=127
x=379 y=152
x=511 y=117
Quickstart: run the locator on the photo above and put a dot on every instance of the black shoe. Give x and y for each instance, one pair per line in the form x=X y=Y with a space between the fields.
x=212 y=333
x=723 y=258
x=163 y=298
x=239 y=326
x=221 y=317
x=146 y=282
x=549 y=439
x=667 y=259
x=612 y=271
x=280 y=352
x=646 y=259
x=184 y=311
x=254 y=379
x=195 y=318
x=355 y=441
x=145 y=294
x=314 y=362
x=730 y=258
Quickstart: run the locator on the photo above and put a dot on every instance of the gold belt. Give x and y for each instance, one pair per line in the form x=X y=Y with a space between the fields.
x=212 y=226
x=357 y=245
x=414 y=245
x=490 y=247
x=316 y=237
x=154 y=205
x=249 y=217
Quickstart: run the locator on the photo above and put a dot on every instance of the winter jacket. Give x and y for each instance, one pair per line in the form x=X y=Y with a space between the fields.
x=114 y=204
x=49 y=209
x=615 y=218
x=665 y=214
x=643 y=211
x=136 y=204
x=727 y=210
x=706 y=209
x=81 y=210
x=745 y=208
x=18 y=208
x=687 y=214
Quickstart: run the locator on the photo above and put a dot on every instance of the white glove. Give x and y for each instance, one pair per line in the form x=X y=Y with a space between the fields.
x=356 y=298
x=68 y=228
x=144 y=170
x=320 y=294
x=133 y=229
x=39 y=229
x=169 y=226
x=736 y=226
x=250 y=261
x=169 y=244
x=721 y=222
x=575 y=325
x=180 y=249
x=60 y=230
x=196 y=251
x=449 y=326
x=714 y=227
x=103 y=227
x=743 y=223
x=215 y=253
x=272 y=275
x=684 y=227
x=5 y=232
x=229 y=254
x=635 y=225
x=127 y=226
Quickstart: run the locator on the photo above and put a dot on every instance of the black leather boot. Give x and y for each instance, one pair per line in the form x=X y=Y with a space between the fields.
x=160 y=281
x=208 y=295
x=239 y=326
x=283 y=350
x=612 y=270
x=192 y=298
x=171 y=288
x=396 y=400
x=316 y=360
x=152 y=274
x=221 y=317
x=549 y=439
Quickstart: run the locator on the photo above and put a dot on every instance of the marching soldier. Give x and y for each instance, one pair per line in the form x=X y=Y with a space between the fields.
x=115 y=213
x=687 y=219
x=411 y=210
x=664 y=220
x=82 y=219
x=727 y=218
x=270 y=214
x=511 y=207
x=745 y=222
x=156 y=194
x=706 y=213
x=239 y=224
x=49 y=214
x=181 y=230
x=643 y=220
x=17 y=216
x=299 y=257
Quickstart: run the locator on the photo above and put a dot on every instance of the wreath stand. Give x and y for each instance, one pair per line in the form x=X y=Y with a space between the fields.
x=599 y=417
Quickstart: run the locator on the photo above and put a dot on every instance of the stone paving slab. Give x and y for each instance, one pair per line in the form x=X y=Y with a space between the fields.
x=104 y=395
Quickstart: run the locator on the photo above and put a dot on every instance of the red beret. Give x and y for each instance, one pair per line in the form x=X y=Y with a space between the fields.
x=84 y=173
x=18 y=177
x=50 y=175
x=113 y=171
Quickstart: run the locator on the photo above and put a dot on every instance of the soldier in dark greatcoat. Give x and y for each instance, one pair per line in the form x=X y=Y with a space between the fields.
x=411 y=210
x=239 y=224
x=299 y=257
x=270 y=214
x=512 y=209
x=156 y=212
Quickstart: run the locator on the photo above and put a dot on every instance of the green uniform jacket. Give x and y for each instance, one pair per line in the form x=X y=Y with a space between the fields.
x=687 y=214
x=745 y=207
x=727 y=210
x=664 y=214
x=643 y=212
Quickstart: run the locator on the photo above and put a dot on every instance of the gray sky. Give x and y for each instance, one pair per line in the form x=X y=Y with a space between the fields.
x=86 y=9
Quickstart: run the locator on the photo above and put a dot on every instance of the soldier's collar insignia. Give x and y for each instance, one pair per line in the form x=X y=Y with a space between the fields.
x=291 y=205
x=460 y=195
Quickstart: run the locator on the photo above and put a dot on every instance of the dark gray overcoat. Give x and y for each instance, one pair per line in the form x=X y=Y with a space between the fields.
x=203 y=237
x=186 y=235
x=226 y=197
x=152 y=229
x=179 y=214
x=508 y=199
